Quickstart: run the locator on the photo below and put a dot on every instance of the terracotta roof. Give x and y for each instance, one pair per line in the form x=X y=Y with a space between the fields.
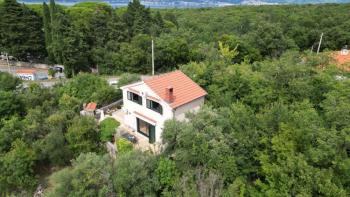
x=340 y=58
x=25 y=71
x=91 y=106
x=185 y=90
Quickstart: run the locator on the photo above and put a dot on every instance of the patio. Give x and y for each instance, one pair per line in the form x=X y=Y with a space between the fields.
x=140 y=142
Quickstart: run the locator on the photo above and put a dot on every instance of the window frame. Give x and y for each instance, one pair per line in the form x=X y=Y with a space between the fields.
x=130 y=96
x=149 y=105
x=151 y=130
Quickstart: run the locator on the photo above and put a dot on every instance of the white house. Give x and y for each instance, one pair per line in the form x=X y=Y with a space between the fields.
x=149 y=103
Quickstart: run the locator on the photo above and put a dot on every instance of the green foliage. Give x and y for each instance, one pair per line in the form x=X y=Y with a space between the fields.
x=11 y=129
x=226 y=52
x=276 y=122
x=128 y=78
x=90 y=175
x=10 y=104
x=67 y=102
x=17 y=168
x=124 y=146
x=141 y=183
x=82 y=135
x=21 y=35
x=89 y=88
x=40 y=129
x=108 y=128
x=8 y=82
x=166 y=172
x=137 y=19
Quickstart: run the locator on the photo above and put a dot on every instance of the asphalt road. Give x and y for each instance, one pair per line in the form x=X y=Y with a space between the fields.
x=49 y=83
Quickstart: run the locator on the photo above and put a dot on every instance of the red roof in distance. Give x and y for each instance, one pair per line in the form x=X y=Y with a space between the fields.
x=184 y=89
x=25 y=71
x=342 y=58
x=91 y=106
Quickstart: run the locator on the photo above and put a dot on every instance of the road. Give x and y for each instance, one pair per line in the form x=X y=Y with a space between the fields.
x=112 y=80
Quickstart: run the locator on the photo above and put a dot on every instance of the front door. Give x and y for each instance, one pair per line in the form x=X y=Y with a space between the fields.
x=146 y=129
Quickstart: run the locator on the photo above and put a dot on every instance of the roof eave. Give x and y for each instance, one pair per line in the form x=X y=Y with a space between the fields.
x=131 y=85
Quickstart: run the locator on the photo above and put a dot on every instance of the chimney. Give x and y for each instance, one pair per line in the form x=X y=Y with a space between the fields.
x=169 y=94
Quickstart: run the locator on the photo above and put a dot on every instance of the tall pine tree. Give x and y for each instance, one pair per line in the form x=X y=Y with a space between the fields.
x=137 y=19
x=21 y=32
x=47 y=30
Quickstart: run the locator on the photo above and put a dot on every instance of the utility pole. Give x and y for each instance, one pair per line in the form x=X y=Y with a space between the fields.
x=152 y=57
x=319 y=44
x=8 y=63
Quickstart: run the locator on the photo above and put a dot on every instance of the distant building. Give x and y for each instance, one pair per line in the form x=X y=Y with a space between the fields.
x=89 y=109
x=342 y=58
x=149 y=103
x=27 y=74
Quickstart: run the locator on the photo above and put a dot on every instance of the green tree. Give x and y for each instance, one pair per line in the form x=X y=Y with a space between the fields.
x=82 y=136
x=8 y=82
x=167 y=173
x=17 y=168
x=137 y=19
x=10 y=130
x=21 y=35
x=10 y=104
x=138 y=184
x=47 y=30
x=107 y=129
x=75 y=55
x=90 y=175
x=54 y=147
x=88 y=88
x=270 y=40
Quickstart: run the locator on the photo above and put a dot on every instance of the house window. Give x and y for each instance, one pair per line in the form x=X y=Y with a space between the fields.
x=134 y=97
x=154 y=106
x=146 y=129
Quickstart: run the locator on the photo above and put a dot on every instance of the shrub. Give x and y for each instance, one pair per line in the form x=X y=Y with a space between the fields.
x=124 y=145
x=107 y=129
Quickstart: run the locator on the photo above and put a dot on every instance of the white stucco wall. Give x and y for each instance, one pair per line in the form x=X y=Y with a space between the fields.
x=129 y=107
x=26 y=76
x=193 y=106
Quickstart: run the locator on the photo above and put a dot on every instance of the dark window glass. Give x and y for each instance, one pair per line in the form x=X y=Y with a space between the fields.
x=154 y=106
x=146 y=129
x=134 y=97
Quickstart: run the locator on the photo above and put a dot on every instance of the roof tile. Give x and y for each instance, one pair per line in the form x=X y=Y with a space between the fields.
x=185 y=90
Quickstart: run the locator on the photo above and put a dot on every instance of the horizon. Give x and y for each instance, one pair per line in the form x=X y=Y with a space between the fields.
x=164 y=4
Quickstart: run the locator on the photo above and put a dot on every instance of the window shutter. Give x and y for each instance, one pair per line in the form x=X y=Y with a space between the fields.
x=129 y=95
x=160 y=109
x=140 y=100
x=148 y=104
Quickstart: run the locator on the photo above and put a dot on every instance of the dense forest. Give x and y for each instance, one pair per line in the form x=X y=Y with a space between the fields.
x=276 y=121
x=95 y=35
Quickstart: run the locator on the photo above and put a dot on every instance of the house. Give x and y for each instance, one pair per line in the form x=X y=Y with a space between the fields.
x=27 y=74
x=149 y=103
x=88 y=109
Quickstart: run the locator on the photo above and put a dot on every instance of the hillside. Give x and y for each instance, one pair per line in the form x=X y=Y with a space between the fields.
x=197 y=3
x=275 y=121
